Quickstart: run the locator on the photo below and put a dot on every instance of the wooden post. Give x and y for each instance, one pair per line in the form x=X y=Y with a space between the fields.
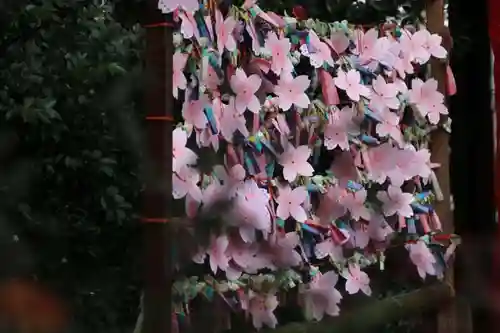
x=440 y=153
x=157 y=173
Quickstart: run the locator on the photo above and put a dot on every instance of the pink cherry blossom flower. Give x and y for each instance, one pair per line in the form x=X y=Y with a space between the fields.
x=401 y=161
x=185 y=182
x=343 y=168
x=389 y=125
x=193 y=112
x=279 y=48
x=403 y=65
x=356 y=280
x=289 y=203
x=245 y=88
x=210 y=79
x=336 y=136
x=181 y=155
x=384 y=96
x=261 y=308
x=291 y=90
x=218 y=258
x=340 y=125
x=250 y=212
x=247 y=256
x=294 y=162
x=320 y=51
x=321 y=296
x=382 y=53
x=338 y=42
x=423 y=258
x=235 y=176
x=396 y=201
x=247 y=4
x=360 y=236
x=328 y=248
x=331 y=205
x=365 y=44
x=402 y=88
x=426 y=98
x=434 y=112
x=355 y=203
x=168 y=6
x=431 y=44
x=421 y=163
x=413 y=47
x=378 y=162
x=206 y=138
x=211 y=194
x=250 y=216
x=189 y=28
x=283 y=251
x=351 y=83
x=371 y=50
x=378 y=229
x=178 y=79
x=232 y=121
x=224 y=30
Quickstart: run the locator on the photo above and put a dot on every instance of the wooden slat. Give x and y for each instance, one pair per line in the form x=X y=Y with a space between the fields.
x=447 y=321
x=157 y=174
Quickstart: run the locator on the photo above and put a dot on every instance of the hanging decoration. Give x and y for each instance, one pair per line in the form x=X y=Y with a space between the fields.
x=321 y=133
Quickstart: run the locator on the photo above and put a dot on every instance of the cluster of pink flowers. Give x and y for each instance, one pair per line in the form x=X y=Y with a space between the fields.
x=272 y=97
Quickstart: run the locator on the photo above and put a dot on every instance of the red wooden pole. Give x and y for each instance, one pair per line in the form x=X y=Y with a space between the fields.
x=157 y=173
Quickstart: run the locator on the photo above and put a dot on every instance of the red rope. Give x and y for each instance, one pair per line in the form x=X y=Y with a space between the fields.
x=154 y=220
x=162 y=118
x=159 y=24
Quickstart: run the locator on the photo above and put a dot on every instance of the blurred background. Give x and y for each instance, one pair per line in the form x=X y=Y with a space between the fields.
x=71 y=110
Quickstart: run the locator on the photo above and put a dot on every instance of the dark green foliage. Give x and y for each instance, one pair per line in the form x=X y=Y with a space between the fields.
x=359 y=12
x=69 y=176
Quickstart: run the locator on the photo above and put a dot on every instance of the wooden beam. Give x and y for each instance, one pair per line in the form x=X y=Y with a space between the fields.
x=447 y=321
x=377 y=313
x=157 y=174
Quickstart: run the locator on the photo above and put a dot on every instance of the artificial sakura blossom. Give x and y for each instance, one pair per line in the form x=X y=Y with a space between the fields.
x=317 y=51
x=338 y=130
x=310 y=160
x=427 y=100
x=423 y=258
x=181 y=155
x=321 y=296
x=355 y=203
x=294 y=162
x=261 y=308
x=232 y=120
x=356 y=280
x=245 y=88
x=290 y=203
x=168 y=6
x=384 y=95
x=351 y=83
x=224 y=30
x=279 y=49
x=291 y=91
x=179 y=79
x=396 y=201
